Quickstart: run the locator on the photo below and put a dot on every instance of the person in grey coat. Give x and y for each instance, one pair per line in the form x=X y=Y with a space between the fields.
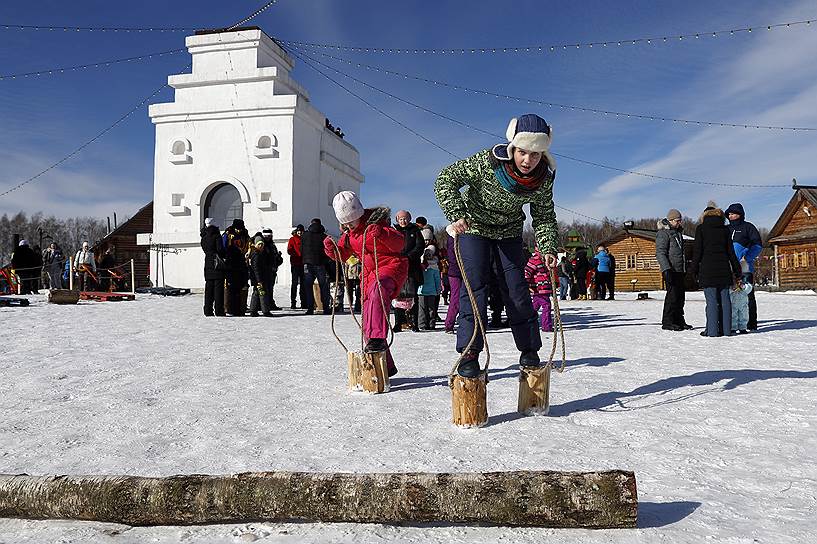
x=669 y=250
x=53 y=261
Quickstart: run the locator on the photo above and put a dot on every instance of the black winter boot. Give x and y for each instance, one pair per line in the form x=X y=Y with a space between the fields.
x=468 y=366
x=529 y=358
x=375 y=345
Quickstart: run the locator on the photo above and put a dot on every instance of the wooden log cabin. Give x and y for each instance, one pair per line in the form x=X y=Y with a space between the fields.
x=123 y=240
x=794 y=240
x=634 y=252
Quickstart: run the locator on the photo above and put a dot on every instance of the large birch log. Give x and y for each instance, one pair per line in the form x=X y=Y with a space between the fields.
x=63 y=296
x=546 y=499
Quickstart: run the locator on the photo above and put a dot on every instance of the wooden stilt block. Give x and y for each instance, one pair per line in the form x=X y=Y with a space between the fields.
x=534 y=390
x=316 y=296
x=368 y=372
x=63 y=296
x=468 y=401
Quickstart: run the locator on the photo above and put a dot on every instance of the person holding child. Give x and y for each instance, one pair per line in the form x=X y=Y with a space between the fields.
x=716 y=267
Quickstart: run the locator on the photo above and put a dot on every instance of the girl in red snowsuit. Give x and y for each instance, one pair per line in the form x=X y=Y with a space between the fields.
x=381 y=281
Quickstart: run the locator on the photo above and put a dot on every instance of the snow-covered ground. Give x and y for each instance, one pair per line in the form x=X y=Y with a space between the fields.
x=721 y=432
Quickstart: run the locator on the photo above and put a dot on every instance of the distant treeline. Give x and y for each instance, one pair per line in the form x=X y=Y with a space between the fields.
x=68 y=233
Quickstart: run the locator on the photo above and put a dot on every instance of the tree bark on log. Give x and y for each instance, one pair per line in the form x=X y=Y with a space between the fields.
x=593 y=500
x=63 y=296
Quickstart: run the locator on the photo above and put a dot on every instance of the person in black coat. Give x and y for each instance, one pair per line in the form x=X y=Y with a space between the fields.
x=748 y=245
x=236 y=243
x=413 y=250
x=106 y=264
x=214 y=268
x=274 y=260
x=24 y=263
x=580 y=270
x=715 y=265
x=314 y=266
x=260 y=277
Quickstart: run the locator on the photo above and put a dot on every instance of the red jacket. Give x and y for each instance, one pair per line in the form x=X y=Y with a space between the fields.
x=294 y=251
x=390 y=263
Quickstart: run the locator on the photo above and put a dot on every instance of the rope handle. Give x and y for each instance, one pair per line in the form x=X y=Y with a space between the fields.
x=478 y=323
x=339 y=265
x=558 y=327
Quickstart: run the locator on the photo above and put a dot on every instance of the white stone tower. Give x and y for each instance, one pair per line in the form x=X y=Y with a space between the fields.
x=240 y=140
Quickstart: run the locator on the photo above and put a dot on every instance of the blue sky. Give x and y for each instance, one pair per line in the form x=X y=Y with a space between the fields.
x=766 y=77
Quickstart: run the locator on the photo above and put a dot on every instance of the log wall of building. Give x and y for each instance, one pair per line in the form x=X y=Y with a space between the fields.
x=123 y=239
x=646 y=269
x=798 y=265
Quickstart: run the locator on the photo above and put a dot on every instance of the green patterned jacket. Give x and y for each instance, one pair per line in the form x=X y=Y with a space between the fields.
x=491 y=210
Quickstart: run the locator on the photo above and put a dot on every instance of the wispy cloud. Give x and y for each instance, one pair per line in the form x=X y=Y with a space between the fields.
x=773 y=82
x=70 y=191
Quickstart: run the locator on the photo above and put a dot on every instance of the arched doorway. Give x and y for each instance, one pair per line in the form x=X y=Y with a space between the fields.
x=224 y=204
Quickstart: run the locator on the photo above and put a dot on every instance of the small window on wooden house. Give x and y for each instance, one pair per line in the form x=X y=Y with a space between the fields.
x=631 y=261
x=812 y=258
x=796 y=259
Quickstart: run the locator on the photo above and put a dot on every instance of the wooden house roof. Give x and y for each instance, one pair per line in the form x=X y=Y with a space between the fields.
x=144 y=215
x=807 y=193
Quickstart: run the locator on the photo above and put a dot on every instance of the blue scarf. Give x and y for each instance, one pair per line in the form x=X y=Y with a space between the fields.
x=510 y=184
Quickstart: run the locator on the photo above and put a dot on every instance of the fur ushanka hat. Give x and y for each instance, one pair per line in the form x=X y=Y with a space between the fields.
x=529 y=132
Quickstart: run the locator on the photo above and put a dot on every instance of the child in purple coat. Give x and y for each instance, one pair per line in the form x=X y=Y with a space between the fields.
x=541 y=289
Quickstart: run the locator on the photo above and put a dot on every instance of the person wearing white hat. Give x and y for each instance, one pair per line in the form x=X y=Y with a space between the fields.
x=488 y=218
x=85 y=264
x=366 y=231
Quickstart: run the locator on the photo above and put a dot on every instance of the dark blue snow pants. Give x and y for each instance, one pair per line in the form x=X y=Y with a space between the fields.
x=476 y=256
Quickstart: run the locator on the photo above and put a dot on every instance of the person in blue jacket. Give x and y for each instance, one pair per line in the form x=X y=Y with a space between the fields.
x=604 y=274
x=429 y=292
x=747 y=243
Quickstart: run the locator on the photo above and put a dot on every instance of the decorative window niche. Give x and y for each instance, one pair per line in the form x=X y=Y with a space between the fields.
x=266 y=146
x=177 y=206
x=265 y=202
x=180 y=151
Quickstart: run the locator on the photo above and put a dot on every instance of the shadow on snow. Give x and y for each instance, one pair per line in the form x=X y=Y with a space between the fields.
x=617 y=400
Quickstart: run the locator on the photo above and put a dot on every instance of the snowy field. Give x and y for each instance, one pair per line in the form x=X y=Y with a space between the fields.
x=721 y=432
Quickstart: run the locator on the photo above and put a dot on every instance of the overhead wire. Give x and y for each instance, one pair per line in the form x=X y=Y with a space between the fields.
x=65 y=28
x=119 y=120
x=86 y=143
x=667 y=38
x=304 y=56
x=571 y=107
x=409 y=129
x=99 y=64
x=253 y=15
